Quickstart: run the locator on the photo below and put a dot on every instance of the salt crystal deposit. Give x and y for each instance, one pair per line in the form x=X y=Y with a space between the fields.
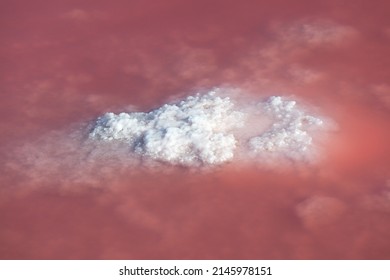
x=207 y=130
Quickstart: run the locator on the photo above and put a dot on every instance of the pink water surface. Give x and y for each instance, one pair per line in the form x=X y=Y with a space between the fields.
x=64 y=63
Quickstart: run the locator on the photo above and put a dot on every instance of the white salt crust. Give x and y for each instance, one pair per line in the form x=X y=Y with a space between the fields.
x=209 y=129
x=290 y=134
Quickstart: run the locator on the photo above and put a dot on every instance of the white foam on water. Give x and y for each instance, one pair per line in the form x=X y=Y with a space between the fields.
x=214 y=128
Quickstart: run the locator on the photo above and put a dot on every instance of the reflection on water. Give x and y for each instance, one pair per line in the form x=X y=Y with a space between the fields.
x=64 y=65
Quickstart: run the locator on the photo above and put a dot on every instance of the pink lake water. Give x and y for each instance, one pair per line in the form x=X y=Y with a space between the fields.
x=65 y=64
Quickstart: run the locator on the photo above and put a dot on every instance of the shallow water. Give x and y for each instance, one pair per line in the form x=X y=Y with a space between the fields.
x=63 y=65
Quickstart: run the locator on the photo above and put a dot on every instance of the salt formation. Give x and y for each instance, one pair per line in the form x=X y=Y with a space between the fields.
x=197 y=130
x=207 y=130
x=289 y=134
